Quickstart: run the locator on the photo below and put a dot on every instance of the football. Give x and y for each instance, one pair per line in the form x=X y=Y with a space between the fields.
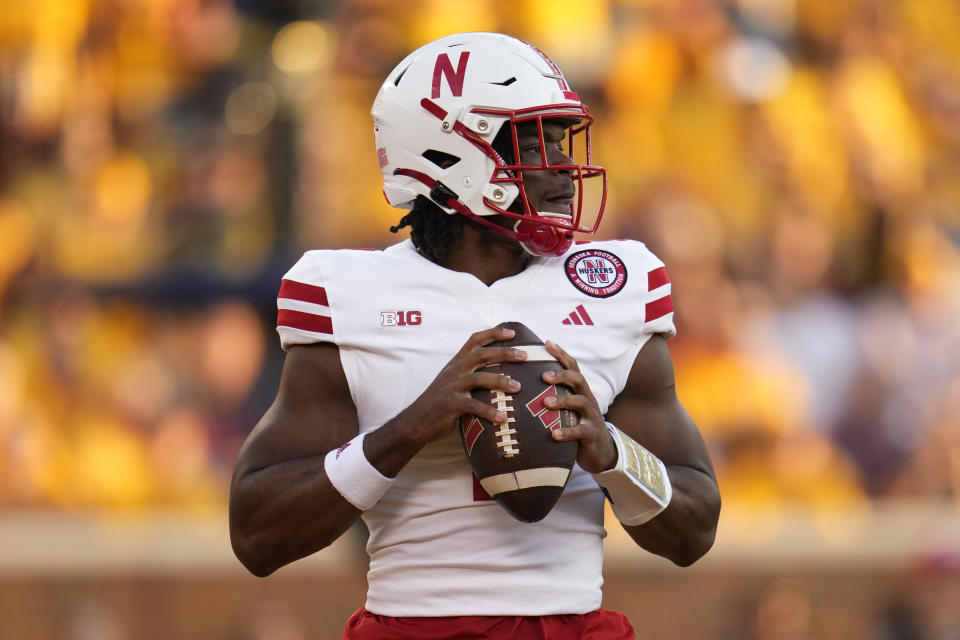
x=518 y=462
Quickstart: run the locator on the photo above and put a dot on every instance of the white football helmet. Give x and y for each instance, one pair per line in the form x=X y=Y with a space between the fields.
x=438 y=112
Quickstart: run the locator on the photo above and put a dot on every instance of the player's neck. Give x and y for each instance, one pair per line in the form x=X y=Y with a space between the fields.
x=488 y=257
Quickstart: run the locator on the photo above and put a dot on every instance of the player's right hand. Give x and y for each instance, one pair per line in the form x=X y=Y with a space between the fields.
x=434 y=414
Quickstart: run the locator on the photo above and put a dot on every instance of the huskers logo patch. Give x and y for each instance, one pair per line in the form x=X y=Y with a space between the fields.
x=597 y=273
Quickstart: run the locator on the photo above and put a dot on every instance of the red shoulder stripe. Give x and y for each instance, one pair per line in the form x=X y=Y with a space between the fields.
x=293 y=290
x=657 y=278
x=304 y=321
x=659 y=308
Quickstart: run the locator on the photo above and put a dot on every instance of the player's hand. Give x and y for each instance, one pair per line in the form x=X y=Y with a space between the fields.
x=434 y=414
x=597 y=451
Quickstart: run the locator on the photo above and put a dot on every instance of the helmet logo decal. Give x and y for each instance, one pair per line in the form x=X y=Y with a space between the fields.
x=443 y=67
x=597 y=273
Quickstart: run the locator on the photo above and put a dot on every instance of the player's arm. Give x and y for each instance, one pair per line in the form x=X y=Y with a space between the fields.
x=649 y=412
x=282 y=505
x=289 y=498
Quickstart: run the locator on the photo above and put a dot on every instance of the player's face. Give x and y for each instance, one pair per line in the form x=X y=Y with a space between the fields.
x=549 y=190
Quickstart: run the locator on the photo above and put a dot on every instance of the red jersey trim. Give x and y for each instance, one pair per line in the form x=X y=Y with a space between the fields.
x=304 y=321
x=293 y=290
x=659 y=308
x=657 y=278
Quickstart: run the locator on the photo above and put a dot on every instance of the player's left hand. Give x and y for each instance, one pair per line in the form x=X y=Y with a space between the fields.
x=597 y=451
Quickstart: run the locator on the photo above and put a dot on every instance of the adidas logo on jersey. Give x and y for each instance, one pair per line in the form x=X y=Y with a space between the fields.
x=579 y=316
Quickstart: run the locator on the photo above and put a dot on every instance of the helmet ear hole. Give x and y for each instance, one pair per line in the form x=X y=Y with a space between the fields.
x=442 y=159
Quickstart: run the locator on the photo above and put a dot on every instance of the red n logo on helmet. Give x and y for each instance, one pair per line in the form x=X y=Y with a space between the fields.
x=454 y=78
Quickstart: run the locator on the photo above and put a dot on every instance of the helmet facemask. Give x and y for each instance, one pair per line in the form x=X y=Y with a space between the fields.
x=550 y=227
x=540 y=232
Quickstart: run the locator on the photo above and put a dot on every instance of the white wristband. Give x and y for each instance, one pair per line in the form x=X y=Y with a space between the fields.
x=354 y=477
x=638 y=485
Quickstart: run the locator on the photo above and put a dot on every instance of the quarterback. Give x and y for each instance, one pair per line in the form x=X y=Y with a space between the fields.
x=481 y=139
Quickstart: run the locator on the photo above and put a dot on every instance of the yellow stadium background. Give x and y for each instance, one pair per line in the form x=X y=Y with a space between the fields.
x=796 y=163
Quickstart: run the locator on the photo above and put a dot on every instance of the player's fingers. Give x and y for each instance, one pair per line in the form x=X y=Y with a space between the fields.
x=493 y=355
x=572 y=379
x=581 y=431
x=596 y=449
x=483 y=410
x=588 y=424
x=583 y=405
x=562 y=356
x=488 y=380
x=485 y=337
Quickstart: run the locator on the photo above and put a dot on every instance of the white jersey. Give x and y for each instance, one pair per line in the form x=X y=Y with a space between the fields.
x=438 y=546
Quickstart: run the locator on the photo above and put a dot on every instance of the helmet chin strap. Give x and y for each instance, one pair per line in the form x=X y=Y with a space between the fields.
x=536 y=239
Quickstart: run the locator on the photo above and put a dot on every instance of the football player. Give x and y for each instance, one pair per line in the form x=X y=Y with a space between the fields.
x=481 y=138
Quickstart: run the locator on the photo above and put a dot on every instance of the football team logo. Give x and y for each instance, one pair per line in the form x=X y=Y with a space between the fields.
x=471 y=429
x=597 y=273
x=537 y=407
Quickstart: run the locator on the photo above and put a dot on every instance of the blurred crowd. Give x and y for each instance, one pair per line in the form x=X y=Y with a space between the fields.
x=796 y=163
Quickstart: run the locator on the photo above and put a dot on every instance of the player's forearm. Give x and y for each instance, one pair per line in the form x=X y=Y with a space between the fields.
x=686 y=529
x=390 y=447
x=285 y=512
x=293 y=508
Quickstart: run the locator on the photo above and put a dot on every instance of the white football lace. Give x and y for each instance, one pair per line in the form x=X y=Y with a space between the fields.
x=504 y=403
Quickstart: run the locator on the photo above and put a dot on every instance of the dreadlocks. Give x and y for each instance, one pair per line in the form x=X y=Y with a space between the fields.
x=432 y=229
